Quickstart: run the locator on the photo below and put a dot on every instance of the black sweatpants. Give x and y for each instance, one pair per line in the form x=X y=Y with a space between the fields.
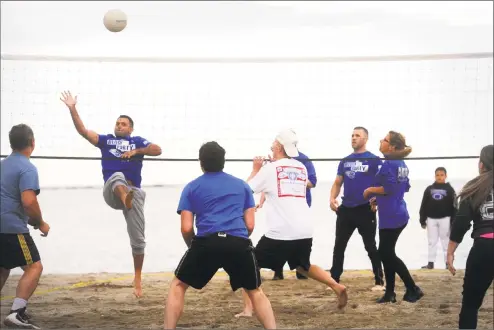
x=391 y=263
x=363 y=219
x=479 y=274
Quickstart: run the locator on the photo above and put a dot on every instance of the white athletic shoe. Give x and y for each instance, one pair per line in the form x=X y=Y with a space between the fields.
x=378 y=288
x=18 y=319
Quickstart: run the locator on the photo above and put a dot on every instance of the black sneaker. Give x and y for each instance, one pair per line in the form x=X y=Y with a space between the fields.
x=18 y=319
x=389 y=297
x=413 y=295
x=429 y=265
x=301 y=276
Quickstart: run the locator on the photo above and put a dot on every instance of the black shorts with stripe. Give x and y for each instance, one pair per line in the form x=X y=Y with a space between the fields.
x=207 y=254
x=17 y=250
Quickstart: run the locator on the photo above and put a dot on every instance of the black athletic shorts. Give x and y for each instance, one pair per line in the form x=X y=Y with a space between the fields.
x=207 y=254
x=17 y=250
x=273 y=253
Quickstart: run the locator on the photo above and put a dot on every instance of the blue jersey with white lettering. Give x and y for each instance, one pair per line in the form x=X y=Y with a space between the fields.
x=113 y=148
x=358 y=174
x=392 y=208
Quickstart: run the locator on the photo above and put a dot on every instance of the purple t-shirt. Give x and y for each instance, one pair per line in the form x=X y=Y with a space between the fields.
x=112 y=148
x=358 y=174
x=311 y=172
x=392 y=208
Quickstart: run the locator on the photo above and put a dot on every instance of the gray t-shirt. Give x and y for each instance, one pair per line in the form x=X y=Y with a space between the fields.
x=18 y=174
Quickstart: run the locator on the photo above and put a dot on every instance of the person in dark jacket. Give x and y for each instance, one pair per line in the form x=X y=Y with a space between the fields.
x=477 y=205
x=437 y=212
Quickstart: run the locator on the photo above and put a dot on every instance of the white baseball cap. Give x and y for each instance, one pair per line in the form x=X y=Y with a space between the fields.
x=288 y=139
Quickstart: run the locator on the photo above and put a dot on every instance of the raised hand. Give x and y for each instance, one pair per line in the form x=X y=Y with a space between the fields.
x=68 y=99
x=257 y=163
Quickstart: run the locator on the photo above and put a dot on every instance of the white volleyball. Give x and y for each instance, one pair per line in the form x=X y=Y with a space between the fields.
x=115 y=20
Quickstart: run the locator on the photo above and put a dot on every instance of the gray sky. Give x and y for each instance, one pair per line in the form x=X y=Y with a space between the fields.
x=270 y=28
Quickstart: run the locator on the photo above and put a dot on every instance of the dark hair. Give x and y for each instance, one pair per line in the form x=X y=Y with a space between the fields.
x=398 y=141
x=129 y=119
x=479 y=188
x=21 y=136
x=363 y=129
x=212 y=157
x=441 y=169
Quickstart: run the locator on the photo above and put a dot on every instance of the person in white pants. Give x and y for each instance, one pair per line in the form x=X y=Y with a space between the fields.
x=437 y=212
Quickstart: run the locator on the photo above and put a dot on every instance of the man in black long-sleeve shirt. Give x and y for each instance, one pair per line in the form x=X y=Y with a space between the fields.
x=437 y=212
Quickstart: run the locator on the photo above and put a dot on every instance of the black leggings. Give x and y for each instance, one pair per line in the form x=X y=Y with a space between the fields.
x=479 y=274
x=391 y=263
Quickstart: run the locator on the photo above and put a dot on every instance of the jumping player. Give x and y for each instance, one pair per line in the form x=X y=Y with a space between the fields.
x=121 y=166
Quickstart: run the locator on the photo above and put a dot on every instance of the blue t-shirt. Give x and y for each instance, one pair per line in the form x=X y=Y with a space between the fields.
x=18 y=175
x=311 y=172
x=392 y=208
x=218 y=201
x=113 y=147
x=358 y=174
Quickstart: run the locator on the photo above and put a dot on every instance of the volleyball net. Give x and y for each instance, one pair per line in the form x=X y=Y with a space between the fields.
x=443 y=104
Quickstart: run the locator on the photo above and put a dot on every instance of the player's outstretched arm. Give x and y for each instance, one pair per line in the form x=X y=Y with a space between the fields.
x=71 y=102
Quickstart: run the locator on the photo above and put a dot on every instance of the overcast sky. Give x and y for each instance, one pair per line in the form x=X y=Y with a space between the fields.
x=245 y=28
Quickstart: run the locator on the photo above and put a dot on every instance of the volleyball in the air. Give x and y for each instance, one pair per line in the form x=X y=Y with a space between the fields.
x=115 y=20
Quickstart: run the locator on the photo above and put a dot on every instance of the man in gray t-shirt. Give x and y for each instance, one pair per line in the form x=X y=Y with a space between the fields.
x=18 y=208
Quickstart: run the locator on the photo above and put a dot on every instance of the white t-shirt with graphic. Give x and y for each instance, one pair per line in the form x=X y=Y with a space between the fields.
x=284 y=184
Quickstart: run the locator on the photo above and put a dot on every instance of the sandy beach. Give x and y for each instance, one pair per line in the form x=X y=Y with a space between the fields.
x=106 y=301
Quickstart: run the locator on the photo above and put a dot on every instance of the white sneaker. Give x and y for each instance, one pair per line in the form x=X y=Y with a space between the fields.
x=19 y=319
x=378 y=288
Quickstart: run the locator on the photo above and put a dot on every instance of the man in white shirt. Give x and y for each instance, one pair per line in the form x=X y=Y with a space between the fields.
x=290 y=229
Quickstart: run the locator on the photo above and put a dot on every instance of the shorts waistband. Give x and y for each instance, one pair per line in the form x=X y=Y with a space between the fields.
x=222 y=234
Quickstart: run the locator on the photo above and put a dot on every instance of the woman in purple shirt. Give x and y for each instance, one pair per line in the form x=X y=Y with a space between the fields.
x=391 y=185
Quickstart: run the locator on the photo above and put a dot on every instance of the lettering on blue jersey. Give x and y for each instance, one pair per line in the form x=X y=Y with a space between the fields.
x=121 y=146
x=355 y=167
x=402 y=174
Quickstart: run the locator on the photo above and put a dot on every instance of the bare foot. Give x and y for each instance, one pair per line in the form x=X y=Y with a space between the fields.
x=245 y=313
x=342 y=297
x=137 y=289
x=128 y=199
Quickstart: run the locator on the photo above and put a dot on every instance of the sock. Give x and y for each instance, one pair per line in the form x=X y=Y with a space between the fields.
x=18 y=304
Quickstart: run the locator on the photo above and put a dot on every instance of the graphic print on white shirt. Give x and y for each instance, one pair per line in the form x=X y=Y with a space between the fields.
x=284 y=184
x=291 y=181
